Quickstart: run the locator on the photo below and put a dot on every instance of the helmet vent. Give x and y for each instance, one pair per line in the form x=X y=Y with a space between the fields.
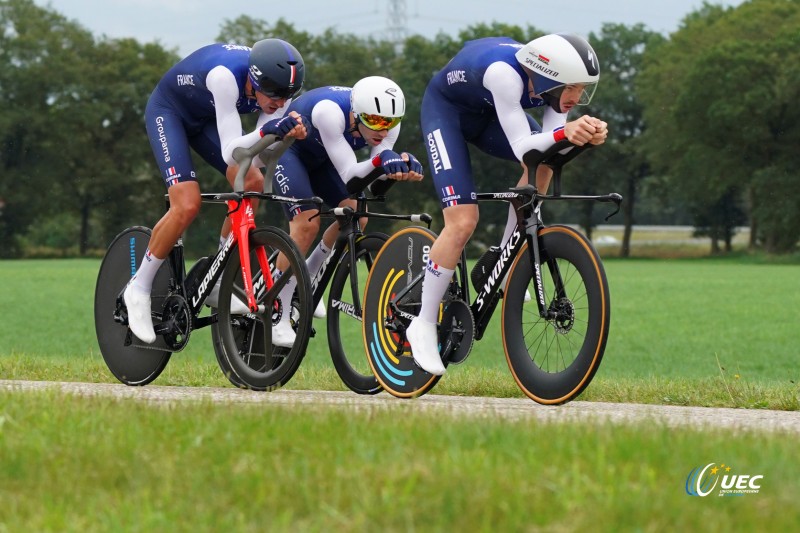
x=378 y=104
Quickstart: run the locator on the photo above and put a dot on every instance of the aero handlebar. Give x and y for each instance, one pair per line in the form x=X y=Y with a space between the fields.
x=269 y=148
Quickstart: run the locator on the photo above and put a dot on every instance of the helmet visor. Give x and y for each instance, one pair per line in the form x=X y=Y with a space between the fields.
x=379 y=122
x=580 y=93
x=272 y=91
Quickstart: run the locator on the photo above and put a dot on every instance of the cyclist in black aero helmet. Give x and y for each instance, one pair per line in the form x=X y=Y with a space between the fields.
x=197 y=105
x=480 y=98
x=276 y=69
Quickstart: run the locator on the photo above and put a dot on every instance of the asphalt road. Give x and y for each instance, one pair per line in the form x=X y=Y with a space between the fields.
x=460 y=406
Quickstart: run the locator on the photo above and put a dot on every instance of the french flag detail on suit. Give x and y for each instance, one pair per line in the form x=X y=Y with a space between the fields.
x=449 y=196
x=433 y=268
x=172 y=177
x=295 y=210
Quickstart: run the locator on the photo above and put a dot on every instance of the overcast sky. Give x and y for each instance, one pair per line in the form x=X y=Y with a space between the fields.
x=188 y=24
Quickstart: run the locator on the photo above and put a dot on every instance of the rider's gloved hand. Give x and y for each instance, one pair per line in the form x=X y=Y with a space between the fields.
x=280 y=126
x=392 y=163
x=413 y=164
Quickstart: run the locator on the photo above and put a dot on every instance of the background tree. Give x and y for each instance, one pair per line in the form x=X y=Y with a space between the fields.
x=704 y=125
x=721 y=114
x=620 y=165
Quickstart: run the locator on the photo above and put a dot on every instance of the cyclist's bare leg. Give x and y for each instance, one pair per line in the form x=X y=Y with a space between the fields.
x=184 y=200
x=184 y=204
x=459 y=223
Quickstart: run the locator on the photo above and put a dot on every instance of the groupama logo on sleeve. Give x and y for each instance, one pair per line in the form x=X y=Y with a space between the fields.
x=703 y=481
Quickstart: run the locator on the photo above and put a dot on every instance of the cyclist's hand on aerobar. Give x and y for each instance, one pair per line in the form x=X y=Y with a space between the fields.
x=393 y=165
x=601 y=131
x=292 y=125
x=414 y=167
x=584 y=130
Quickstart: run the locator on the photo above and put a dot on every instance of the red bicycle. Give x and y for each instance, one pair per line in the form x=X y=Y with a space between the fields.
x=245 y=264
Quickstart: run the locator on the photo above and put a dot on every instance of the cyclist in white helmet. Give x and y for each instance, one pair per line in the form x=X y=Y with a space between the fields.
x=341 y=120
x=480 y=98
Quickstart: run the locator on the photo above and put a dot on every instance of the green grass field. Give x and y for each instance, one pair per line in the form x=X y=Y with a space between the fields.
x=92 y=464
x=689 y=332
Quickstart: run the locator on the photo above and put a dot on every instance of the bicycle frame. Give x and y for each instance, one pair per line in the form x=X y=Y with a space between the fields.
x=349 y=232
x=242 y=215
x=526 y=201
x=241 y=212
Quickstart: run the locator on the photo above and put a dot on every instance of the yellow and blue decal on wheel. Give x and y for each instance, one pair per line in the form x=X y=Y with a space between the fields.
x=384 y=345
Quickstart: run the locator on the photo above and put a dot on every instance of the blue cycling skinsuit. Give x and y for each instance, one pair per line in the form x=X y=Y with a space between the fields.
x=197 y=104
x=479 y=97
x=323 y=162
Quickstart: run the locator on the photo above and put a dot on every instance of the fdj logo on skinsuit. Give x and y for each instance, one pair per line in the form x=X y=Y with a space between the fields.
x=703 y=481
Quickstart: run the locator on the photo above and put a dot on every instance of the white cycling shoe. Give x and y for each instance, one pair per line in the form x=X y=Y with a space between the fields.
x=139 y=318
x=283 y=335
x=238 y=307
x=424 y=341
x=321 y=311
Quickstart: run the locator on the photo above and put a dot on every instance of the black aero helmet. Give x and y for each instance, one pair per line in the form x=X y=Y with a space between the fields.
x=276 y=68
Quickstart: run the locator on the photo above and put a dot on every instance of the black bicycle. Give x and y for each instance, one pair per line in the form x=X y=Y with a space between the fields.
x=353 y=254
x=553 y=349
x=244 y=263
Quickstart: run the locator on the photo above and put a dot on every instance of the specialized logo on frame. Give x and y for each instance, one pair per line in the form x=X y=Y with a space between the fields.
x=721 y=480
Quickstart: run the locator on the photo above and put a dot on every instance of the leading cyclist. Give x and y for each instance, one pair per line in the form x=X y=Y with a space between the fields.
x=197 y=104
x=479 y=97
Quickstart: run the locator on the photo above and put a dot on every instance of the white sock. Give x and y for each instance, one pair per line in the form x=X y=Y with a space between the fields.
x=222 y=240
x=286 y=294
x=434 y=285
x=316 y=258
x=143 y=279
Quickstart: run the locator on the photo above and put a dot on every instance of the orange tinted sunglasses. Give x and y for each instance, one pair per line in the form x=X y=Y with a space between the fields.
x=379 y=122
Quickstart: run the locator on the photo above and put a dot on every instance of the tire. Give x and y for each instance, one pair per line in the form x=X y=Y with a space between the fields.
x=252 y=360
x=137 y=363
x=552 y=361
x=345 y=312
x=400 y=260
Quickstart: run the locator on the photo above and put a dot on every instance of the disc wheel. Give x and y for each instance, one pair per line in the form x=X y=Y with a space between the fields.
x=402 y=258
x=130 y=360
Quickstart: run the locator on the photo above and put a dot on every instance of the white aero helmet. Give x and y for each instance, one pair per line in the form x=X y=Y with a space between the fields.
x=378 y=102
x=560 y=59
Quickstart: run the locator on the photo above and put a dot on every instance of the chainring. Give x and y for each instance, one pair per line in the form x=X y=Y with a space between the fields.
x=177 y=317
x=456 y=332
